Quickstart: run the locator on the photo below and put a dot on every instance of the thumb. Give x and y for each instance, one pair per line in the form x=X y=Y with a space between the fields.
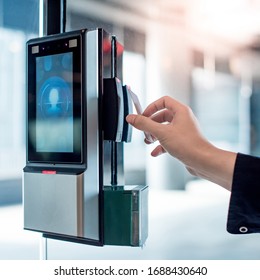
x=143 y=123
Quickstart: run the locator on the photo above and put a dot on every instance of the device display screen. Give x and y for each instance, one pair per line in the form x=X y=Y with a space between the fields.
x=54 y=102
x=54 y=110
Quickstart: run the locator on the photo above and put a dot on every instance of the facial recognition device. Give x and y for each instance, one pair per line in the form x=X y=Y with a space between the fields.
x=75 y=129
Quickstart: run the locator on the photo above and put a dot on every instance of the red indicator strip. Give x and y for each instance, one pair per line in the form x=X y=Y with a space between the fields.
x=49 y=172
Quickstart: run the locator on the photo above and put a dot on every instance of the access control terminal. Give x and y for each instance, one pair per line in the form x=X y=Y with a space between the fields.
x=73 y=183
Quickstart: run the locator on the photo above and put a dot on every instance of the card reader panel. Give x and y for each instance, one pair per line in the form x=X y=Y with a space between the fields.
x=117 y=104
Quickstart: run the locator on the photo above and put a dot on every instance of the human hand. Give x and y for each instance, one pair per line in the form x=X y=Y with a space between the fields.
x=176 y=128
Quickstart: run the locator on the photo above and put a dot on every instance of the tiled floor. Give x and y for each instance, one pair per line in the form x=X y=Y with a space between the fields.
x=183 y=225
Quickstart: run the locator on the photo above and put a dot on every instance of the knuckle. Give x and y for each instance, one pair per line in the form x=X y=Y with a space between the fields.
x=137 y=121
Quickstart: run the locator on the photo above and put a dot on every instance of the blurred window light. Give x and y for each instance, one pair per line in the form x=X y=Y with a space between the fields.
x=212 y=6
x=12 y=90
x=18 y=22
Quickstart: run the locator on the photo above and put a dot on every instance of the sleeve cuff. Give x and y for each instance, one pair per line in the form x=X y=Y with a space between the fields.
x=244 y=207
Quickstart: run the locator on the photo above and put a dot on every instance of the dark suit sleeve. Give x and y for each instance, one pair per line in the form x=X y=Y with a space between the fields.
x=244 y=207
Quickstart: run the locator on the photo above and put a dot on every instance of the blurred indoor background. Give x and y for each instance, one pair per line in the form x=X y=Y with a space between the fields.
x=205 y=53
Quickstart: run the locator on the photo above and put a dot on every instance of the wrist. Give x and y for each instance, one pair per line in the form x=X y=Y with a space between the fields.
x=214 y=164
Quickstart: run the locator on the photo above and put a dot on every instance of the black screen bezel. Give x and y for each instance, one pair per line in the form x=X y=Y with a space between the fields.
x=46 y=48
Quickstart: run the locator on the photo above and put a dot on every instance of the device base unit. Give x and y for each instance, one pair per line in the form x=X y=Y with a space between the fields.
x=125 y=215
x=53 y=203
x=57 y=205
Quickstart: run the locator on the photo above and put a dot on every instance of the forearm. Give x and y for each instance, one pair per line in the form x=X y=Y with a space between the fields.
x=215 y=165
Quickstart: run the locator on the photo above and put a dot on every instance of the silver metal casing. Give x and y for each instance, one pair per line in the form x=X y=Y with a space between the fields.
x=68 y=204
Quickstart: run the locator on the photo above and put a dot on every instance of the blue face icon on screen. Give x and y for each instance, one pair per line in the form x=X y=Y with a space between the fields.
x=55 y=99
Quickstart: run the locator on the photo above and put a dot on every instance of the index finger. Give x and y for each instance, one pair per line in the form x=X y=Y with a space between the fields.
x=165 y=102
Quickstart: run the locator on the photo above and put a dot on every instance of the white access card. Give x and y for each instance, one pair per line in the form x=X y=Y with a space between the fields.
x=139 y=111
